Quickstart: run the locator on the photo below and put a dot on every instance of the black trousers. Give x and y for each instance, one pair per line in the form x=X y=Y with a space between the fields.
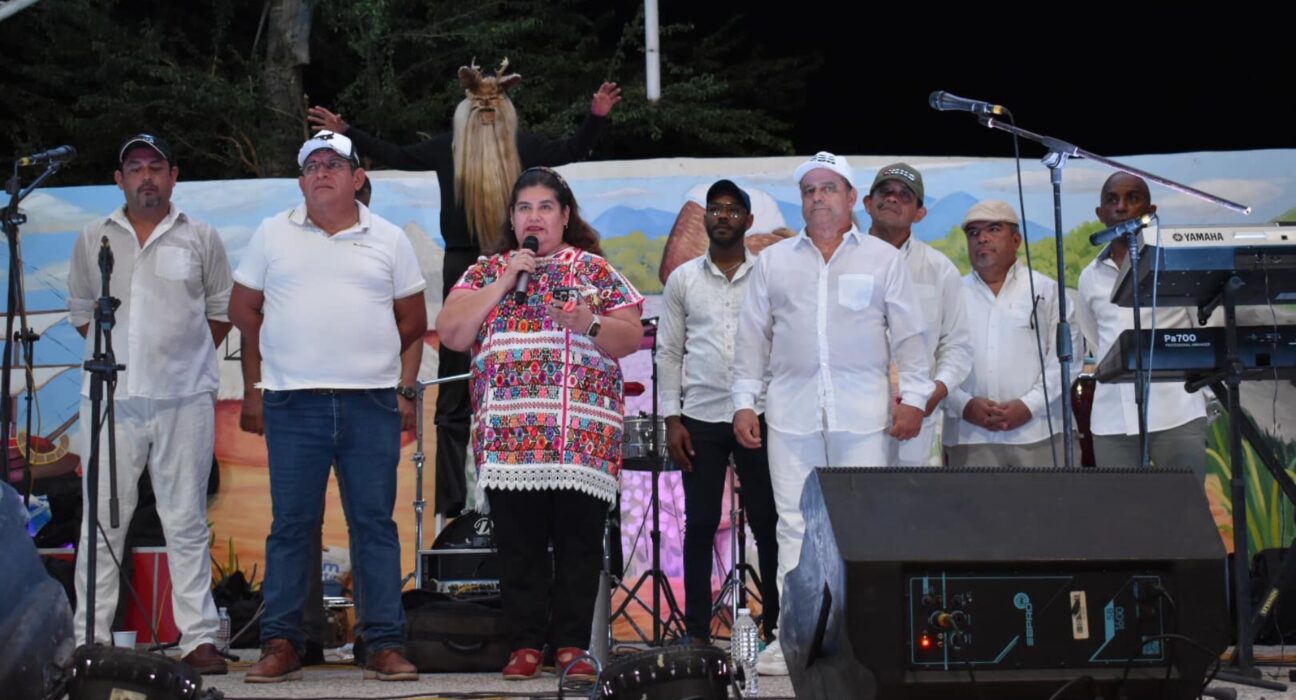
x=713 y=443
x=544 y=599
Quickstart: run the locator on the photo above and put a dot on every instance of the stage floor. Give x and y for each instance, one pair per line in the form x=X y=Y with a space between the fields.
x=345 y=681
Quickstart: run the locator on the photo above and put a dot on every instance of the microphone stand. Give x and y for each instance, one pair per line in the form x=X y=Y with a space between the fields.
x=1056 y=159
x=103 y=369
x=10 y=220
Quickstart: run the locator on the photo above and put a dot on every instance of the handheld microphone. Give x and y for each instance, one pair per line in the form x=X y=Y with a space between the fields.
x=62 y=154
x=1124 y=228
x=532 y=244
x=942 y=101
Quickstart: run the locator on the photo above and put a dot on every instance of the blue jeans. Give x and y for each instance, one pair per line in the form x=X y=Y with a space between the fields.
x=358 y=432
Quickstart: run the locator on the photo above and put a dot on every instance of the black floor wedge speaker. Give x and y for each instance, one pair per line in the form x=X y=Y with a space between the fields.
x=1004 y=583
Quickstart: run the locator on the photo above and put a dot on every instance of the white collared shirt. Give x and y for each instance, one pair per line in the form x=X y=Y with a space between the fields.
x=328 y=320
x=1101 y=322
x=821 y=330
x=1006 y=363
x=695 y=339
x=939 y=289
x=169 y=289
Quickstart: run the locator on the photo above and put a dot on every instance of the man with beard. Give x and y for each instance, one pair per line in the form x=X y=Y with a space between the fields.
x=695 y=351
x=476 y=165
x=895 y=204
x=826 y=314
x=998 y=416
x=1176 y=419
x=173 y=279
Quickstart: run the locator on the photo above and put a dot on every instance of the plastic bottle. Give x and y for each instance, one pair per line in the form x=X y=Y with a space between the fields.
x=744 y=647
x=223 y=635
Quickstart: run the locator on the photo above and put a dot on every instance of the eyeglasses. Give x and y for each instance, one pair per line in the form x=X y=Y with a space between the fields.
x=332 y=165
x=731 y=213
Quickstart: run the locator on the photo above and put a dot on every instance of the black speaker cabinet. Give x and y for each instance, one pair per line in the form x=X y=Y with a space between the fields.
x=1004 y=583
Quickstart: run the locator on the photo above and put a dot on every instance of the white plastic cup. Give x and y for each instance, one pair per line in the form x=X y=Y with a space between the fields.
x=124 y=639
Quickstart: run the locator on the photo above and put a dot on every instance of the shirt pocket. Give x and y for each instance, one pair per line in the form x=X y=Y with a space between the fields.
x=855 y=292
x=1019 y=315
x=173 y=263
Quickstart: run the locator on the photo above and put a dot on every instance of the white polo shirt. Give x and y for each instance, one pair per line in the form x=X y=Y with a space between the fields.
x=328 y=318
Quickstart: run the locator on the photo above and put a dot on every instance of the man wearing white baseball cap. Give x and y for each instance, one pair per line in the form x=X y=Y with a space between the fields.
x=330 y=295
x=826 y=313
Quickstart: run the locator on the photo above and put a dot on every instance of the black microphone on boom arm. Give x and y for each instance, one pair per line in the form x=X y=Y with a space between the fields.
x=1124 y=228
x=62 y=154
x=942 y=101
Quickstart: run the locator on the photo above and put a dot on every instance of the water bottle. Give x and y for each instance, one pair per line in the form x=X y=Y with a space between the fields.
x=744 y=647
x=223 y=634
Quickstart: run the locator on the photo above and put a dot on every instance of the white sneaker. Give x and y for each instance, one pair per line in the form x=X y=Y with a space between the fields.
x=771 y=662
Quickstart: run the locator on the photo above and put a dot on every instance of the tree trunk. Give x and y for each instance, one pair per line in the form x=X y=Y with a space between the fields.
x=283 y=123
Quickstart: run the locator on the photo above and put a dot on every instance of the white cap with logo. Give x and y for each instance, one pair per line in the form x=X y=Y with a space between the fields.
x=331 y=140
x=828 y=161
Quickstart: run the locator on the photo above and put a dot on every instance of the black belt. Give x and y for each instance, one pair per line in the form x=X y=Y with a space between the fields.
x=341 y=392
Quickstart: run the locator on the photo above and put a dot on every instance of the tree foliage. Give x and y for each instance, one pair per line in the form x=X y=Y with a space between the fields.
x=91 y=72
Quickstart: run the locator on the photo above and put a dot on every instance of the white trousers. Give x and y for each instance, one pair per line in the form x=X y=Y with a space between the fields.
x=174 y=439
x=792 y=458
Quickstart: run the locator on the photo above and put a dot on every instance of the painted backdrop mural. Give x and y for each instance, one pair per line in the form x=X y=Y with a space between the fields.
x=649 y=214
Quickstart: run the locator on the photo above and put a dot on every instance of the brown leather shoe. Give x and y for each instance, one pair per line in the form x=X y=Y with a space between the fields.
x=278 y=663
x=206 y=660
x=389 y=665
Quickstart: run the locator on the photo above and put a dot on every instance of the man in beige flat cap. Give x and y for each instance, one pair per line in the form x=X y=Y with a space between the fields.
x=1008 y=411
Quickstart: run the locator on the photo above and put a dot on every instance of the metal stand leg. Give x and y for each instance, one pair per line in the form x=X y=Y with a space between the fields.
x=734 y=591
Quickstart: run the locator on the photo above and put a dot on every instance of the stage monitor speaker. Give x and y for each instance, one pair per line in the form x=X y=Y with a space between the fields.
x=1004 y=583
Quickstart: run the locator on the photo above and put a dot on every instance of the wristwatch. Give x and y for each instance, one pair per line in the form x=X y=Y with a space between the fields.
x=594 y=327
x=408 y=392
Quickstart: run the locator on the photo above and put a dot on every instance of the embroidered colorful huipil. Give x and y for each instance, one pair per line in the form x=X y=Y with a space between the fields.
x=547 y=402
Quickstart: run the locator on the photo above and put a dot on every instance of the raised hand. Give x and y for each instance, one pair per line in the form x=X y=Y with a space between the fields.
x=320 y=119
x=605 y=99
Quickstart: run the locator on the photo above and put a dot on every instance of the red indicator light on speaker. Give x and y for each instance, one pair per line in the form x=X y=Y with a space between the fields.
x=925 y=642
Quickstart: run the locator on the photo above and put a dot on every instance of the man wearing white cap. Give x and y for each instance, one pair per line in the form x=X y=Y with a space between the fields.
x=1009 y=410
x=826 y=313
x=895 y=204
x=173 y=279
x=330 y=294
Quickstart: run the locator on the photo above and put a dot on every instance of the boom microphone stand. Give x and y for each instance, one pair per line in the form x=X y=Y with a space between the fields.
x=1059 y=153
x=10 y=220
x=103 y=369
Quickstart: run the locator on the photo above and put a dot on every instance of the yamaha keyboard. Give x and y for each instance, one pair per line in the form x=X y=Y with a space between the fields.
x=1195 y=261
x=1177 y=354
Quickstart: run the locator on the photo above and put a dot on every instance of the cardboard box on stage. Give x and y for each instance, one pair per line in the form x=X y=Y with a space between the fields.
x=151 y=580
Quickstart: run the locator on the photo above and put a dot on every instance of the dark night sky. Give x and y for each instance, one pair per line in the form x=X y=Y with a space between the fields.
x=1217 y=82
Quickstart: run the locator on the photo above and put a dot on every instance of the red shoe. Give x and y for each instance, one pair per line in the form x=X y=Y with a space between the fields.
x=523 y=665
x=578 y=669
